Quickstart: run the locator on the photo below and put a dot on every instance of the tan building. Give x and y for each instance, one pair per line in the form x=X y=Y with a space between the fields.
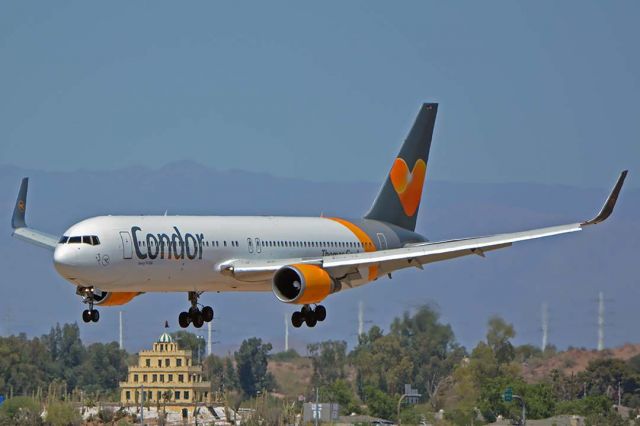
x=167 y=377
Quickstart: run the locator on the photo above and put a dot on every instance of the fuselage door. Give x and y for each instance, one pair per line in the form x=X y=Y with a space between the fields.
x=382 y=240
x=258 y=246
x=127 y=249
x=250 y=245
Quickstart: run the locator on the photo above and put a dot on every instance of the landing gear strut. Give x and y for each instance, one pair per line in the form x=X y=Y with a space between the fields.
x=88 y=315
x=308 y=315
x=195 y=315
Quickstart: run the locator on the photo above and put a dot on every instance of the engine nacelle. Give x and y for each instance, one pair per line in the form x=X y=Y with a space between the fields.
x=106 y=298
x=303 y=284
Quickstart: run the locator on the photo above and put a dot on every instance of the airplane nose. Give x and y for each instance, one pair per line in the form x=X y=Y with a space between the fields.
x=63 y=261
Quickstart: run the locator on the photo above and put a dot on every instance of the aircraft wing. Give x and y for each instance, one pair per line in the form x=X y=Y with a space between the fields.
x=353 y=266
x=19 y=225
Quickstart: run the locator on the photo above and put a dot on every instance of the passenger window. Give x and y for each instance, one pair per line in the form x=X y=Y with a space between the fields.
x=74 y=240
x=63 y=240
x=86 y=239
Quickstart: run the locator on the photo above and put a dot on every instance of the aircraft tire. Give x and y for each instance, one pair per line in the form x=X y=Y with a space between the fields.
x=184 y=320
x=95 y=315
x=207 y=314
x=197 y=319
x=297 y=319
x=311 y=319
x=321 y=313
x=86 y=315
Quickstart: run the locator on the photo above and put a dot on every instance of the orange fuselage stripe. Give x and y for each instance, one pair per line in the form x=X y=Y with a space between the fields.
x=364 y=239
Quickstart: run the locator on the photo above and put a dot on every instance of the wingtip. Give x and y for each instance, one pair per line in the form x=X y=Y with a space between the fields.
x=609 y=205
x=18 y=218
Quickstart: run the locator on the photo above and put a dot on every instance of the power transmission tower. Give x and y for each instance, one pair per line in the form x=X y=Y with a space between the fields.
x=286 y=332
x=600 y=321
x=120 y=339
x=545 y=325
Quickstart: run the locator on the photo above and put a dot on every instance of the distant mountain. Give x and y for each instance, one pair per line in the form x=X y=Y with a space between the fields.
x=567 y=272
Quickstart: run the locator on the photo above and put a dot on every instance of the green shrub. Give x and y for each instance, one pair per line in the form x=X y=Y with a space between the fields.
x=20 y=410
x=61 y=413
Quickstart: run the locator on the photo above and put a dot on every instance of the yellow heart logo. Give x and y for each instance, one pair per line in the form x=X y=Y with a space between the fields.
x=408 y=184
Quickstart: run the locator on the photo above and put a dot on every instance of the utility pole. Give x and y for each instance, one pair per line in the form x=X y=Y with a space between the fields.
x=600 y=321
x=317 y=410
x=142 y=404
x=209 y=340
x=545 y=325
x=360 y=318
x=121 y=342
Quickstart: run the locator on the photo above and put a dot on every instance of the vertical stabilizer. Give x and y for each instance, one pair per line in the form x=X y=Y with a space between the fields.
x=399 y=199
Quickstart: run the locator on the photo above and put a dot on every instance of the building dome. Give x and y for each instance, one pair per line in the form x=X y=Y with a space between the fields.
x=165 y=338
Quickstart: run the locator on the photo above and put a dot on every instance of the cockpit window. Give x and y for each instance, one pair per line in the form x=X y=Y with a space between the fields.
x=92 y=240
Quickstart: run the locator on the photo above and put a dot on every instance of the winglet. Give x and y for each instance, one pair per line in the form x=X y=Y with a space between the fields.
x=17 y=221
x=607 y=209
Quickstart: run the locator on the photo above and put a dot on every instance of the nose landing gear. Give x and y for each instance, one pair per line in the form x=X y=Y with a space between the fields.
x=309 y=315
x=195 y=315
x=91 y=314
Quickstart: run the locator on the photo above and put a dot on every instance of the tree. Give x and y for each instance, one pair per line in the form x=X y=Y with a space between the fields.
x=419 y=350
x=328 y=359
x=340 y=391
x=499 y=333
x=379 y=403
x=252 y=362
x=190 y=341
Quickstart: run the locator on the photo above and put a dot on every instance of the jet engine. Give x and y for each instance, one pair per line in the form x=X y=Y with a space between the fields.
x=106 y=298
x=303 y=284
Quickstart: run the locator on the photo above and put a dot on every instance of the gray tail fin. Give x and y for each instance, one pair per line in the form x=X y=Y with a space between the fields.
x=399 y=198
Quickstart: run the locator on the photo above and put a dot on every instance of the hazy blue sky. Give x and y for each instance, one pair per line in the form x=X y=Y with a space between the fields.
x=540 y=91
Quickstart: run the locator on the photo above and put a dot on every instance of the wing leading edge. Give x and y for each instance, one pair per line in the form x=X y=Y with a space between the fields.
x=417 y=255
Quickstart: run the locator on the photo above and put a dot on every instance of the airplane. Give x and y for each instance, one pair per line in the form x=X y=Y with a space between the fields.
x=302 y=260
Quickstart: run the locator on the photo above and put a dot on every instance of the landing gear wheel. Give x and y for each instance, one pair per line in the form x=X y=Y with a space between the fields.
x=88 y=297
x=321 y=313
x=297 y=319
x=207 y=314
x=184 y=320
x=197 y=319
x=311 y=319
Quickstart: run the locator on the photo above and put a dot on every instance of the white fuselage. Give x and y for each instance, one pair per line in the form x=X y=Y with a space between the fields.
x=185 y=253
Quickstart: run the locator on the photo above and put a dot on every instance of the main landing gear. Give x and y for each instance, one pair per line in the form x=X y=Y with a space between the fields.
x=195 y=315
x=88 y=315
x=309 y=315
